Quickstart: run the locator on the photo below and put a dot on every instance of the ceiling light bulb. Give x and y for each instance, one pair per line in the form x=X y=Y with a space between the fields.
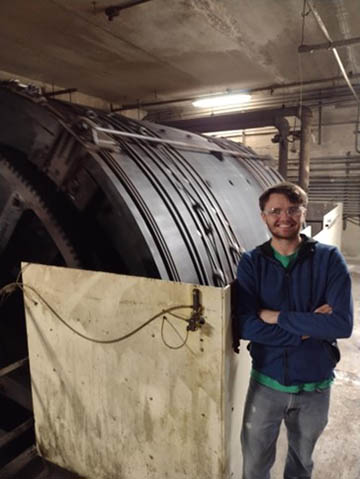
x=223 y=100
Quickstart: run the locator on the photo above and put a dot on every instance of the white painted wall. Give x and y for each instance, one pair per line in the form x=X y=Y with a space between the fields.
x=332 y=227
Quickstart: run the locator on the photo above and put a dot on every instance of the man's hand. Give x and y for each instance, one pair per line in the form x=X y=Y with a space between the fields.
x=323 y=309
x=269 y=316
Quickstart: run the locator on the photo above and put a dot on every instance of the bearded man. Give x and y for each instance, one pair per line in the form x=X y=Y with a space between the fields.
x=294 y=297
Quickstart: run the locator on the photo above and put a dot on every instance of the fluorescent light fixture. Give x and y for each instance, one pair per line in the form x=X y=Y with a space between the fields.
x=223 y=100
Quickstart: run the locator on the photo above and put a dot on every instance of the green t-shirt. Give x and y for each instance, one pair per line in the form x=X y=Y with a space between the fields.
x=272 y=383
x=285 y=260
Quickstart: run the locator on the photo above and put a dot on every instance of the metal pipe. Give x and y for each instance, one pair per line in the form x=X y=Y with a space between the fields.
x=246 y=120
x=335 y=52
x=337 y=187
x=357 y=132
x=331 y=159
x=334 y=182
x=12 y=367
x=15 y=433
x=282 y=125
x=333 y=185
x=50 y=94
x=325 y=168
x=12 y=468
x=270 y=88
x=305 y=141
x=320 y=124
x=324 y=187
x=152 y=139
x=345 y=176
x=333 y=97
x=258 y=119
x=350 y=197
x=328 y=45
x=338 y=190
x=329 y=181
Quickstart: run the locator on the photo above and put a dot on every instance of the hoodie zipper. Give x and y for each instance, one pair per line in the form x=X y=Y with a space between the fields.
x=287 y=272
x=286 y=367
x=287 y=278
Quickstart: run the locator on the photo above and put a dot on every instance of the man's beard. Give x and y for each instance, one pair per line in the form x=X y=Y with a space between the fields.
x=291 y=235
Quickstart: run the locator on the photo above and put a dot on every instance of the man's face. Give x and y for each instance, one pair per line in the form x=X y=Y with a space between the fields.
x=288 y=223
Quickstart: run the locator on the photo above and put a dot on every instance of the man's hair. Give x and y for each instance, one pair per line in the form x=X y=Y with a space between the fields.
x=293 y=192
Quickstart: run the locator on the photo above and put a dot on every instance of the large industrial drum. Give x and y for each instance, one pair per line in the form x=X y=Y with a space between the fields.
x=96 y=190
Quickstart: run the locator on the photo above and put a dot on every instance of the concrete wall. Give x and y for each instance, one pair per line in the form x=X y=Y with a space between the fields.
x=351 y=241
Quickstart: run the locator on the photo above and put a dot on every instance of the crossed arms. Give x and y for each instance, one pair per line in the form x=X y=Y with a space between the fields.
x=288 y=328
x=271 y=317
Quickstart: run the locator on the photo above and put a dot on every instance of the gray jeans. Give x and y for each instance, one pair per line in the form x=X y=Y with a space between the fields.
x=305 y=415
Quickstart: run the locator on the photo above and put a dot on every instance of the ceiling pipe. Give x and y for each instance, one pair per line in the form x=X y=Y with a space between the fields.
x=258 y=119
x=342 y=69
x=320 y=123
x=335 y=52
x=341 y=98
x=282 y=125
x=269 y=88
x=237 y=121
x=328 y=45
x=305 y=143
x=51 y=94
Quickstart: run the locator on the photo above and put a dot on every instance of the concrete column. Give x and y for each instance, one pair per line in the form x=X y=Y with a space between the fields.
x=305 y=140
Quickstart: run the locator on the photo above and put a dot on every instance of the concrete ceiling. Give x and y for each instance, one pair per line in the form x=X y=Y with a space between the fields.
x=166 y=49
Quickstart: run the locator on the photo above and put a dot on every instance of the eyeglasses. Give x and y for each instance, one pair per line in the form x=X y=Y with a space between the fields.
x=291 y=211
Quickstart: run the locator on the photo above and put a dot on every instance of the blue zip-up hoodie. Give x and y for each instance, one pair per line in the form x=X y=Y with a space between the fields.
x=318 y=276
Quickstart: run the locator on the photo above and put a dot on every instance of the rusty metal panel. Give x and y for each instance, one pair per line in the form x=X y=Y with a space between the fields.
x=134 y=408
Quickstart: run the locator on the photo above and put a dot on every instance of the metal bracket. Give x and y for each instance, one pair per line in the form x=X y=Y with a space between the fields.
x=196 y=320
x=114 y=10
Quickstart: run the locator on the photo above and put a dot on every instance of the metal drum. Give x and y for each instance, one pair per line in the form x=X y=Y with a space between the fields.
x=91 y=189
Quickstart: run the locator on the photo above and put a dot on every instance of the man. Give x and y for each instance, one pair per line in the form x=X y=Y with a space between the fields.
x=294 y=297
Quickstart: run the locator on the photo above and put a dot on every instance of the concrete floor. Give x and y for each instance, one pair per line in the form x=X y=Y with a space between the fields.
x=337 y=452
